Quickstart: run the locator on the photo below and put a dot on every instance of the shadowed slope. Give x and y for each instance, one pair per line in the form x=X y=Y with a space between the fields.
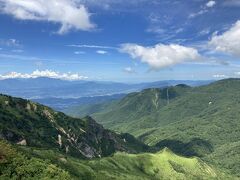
x=28 y=123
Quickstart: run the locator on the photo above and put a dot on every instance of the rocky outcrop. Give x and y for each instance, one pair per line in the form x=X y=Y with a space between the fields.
x=26 y=123
x=22 y=142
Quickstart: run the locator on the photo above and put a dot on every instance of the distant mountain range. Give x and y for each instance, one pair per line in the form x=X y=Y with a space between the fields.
x=61 y=104
x=61 y=94
x=201 y=121
x=39 y=88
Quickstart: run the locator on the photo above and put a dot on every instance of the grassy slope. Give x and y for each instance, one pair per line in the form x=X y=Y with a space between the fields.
x=220 y=130
x=130 y=114
x=121 y=166
x=161 y=165
x=203 y=121
x=216 y=124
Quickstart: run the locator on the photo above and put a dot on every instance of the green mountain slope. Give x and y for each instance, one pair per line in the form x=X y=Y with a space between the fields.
x=36 y=152
x=27 y=123
x=161 y=165
x=129 y=114
x=15 y=165
x=202 y=121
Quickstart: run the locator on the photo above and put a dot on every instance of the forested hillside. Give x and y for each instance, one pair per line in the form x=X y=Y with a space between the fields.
x=37 y=142
x=202 y=121
x=27 y=123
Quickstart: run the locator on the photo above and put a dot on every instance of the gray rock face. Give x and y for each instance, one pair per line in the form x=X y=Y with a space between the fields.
x=27 y=123
x=22 y=142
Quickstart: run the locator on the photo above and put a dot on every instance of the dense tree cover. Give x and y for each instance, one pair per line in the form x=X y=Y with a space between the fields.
x=39 y=126
x=14 y=165
x=202 y=121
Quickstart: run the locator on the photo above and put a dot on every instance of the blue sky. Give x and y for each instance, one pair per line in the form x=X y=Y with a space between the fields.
x=118 y=40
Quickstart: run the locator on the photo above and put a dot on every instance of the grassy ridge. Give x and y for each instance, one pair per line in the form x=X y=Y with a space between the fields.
x=161 y=165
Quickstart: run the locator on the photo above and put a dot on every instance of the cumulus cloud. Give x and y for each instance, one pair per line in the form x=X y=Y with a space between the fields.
x=129 y=70
x=228 y=42
x=45 y=73
x=210 y=4
x=101 y=52
x=160 y=55
x=69 y=13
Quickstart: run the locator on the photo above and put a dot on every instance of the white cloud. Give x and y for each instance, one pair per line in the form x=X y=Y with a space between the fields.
x=220 y=76
x=204 y=32
x=9 y=42
x=116 y=5
x=237 y=73
x=91 y=46
x=101 y=52
x=228 y=42
x=210 y=4
x=69 y=13
x=156 y=29
x=17 y=51
x=129 y=70
x=161 y=55
x=193 y=15
x=79 y=52
x=203 y=10
x=45 y=73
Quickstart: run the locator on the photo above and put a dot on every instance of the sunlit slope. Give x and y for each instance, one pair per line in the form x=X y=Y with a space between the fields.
x=121 y=166
x=162 y=165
